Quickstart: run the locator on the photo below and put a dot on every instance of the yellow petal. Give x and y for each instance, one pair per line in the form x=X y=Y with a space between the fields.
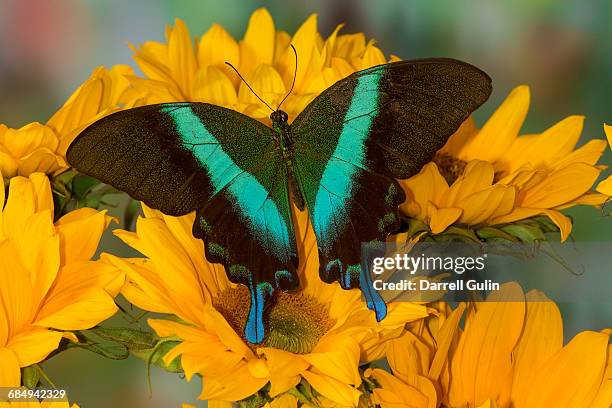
x=181 y=58
x=215 y=404
x=282 y=41
x=143 y=287
x=455 y=143
x=76 y=310
x=42 y=192
x=217 y=47
x=257 y=47
x=560 y=186
x=15 y=290
x=589 y=154
x=80 y=234
x=216 y=323
x=42 y=160
x=572 y=377
x=605 y=187
x=428 y=185
x=446 y=335
x=608 y=132
x=82 y=105
x=10 y=375
x=400 y=313
x=484 y=205
x=335 y=390
x=477 y=176
x=481 y=367
x=350 y=45
x=86 y=274
x=33 y=346
x=284 y=401
x=372 y=56
x=330 y=44
x=285 y=369
x=237 y=385
x=563 y=222
x=542 y=337
x=8 y=163
x=173 y=265
x=304 y=41
x=590 y=199
x=604 y=396
x=394 y=393
x=20 y=205
x=500 y=131
x=440 y=219
x=213 y=85
x=152 y=59
x=544 y=149
x=268 y=84
x=341 y=362
x=258 y=368
x=21 y=142
x=408 y=356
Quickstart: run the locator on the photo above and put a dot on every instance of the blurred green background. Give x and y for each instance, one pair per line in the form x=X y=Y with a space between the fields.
x=561 y=49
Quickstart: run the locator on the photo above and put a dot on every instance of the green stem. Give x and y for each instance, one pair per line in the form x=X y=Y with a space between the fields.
x=44 y=375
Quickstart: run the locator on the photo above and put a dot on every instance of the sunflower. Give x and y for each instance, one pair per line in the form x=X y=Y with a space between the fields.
x=181 y=70
x=38 y=147
x=48 y=284
x=510 y=354
x=492 y=176
x=319 y=334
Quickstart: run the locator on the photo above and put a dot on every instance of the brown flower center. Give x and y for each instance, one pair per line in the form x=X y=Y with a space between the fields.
x=450 y=167
x=294 y=322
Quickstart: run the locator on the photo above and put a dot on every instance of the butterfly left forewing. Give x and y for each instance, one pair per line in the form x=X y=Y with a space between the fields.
x=181 y=157
x=362 y=133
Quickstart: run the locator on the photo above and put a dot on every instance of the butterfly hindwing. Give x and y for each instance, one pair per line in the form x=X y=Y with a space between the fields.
x=361 y=134
x=182 y=157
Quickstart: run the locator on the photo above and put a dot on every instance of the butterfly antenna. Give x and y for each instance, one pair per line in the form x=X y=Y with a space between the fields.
x=294 y=76
x=249 y=86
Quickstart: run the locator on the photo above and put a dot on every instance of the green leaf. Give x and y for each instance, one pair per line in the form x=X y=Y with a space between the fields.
x=112 y=351
x=155 y=355
x=525 y=232
x=30 y=376
x=416 y=226
x=82 y=185
x=131 y=212
x=491 y=233
x=130 y=338
x=455 y=233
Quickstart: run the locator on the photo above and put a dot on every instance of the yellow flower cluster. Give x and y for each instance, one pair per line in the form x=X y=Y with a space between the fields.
x=48 y=284
x=509 y=354
x=180 y=70
x=492 y=176
x=320 y=333
x=38 y=147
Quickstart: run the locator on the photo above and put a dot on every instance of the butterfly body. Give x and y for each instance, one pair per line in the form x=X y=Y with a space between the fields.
x=339 y=159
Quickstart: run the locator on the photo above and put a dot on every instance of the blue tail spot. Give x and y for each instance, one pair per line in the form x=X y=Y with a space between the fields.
x=254 y=330
x=374 y=301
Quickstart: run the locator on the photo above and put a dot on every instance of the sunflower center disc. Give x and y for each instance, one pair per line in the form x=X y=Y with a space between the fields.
x=294 y=322
x=450 y=167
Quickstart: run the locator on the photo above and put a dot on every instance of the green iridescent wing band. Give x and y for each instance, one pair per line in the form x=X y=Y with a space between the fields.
x=182 y=157
x=361 y=134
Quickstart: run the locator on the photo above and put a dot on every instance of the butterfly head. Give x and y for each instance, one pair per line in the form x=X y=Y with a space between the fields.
x=279 y=120
x=279 y=117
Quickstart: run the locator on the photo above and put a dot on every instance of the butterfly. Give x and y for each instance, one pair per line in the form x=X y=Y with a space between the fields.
x=339 y=159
